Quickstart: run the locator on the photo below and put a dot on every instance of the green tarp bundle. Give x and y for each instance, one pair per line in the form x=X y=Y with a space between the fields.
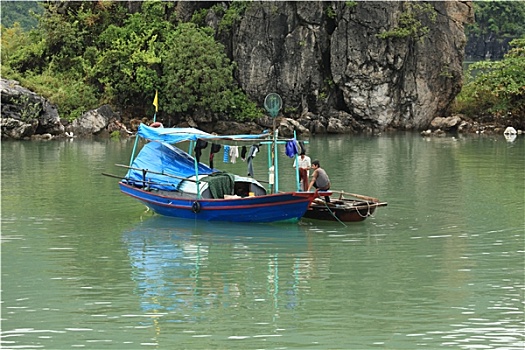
x=220 y=184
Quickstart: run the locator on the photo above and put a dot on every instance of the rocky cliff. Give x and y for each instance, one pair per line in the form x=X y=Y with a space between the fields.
x=335 y=70
x=24 y=113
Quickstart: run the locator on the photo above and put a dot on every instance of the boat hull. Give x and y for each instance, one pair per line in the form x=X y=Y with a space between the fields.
x=347 y=212
x=288 y=206
x=344 y=215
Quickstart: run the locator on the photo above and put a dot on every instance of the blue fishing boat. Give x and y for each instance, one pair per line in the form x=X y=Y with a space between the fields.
x=174 y=183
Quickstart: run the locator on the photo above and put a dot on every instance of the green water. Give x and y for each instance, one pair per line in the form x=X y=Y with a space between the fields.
x=442 y=266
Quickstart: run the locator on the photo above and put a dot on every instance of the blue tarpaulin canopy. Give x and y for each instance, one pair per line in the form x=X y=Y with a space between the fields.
x=176 y=135
x=162 y=157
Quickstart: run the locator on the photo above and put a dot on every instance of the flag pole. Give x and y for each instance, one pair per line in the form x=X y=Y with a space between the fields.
x=156 y=104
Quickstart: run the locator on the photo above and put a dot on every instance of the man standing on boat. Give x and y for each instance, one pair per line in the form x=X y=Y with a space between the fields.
x=304 y=169
x=320 y=179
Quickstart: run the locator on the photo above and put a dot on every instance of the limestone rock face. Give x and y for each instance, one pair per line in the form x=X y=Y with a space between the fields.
x=92 y=122
x=323 y=57
x=25 y=113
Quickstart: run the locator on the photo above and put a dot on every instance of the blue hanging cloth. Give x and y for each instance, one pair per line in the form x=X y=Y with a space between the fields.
x=225 y=159
x=291 y=148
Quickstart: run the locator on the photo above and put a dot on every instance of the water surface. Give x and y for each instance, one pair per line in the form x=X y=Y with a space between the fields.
x=442 y=266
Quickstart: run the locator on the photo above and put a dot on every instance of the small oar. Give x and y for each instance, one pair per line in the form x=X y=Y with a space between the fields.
x=115 y=176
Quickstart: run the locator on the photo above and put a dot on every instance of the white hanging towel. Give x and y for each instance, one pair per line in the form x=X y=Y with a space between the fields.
x=234 y=153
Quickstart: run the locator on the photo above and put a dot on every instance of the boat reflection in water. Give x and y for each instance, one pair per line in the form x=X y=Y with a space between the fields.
x=184 y=268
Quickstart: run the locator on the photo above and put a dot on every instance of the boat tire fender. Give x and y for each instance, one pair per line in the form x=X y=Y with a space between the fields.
x=196 y=207
x=156 y=125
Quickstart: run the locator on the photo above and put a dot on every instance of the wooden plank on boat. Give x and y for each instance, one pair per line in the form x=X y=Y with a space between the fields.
x=360 y=196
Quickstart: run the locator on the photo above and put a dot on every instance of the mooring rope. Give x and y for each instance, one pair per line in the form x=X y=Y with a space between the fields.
x=332 y=213
x=367 y=211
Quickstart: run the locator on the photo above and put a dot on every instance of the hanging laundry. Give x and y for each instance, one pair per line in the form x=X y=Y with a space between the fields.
x=253 y=152
x=291 y=148
x=214 y=149
x=303 y=149
x=234 y=153
x=243 y=153
x=199 y=146
x=226 y=154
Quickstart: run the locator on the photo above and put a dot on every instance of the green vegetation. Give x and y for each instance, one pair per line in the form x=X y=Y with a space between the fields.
x=28 y=109
x=497 y=21
x=199 y=78
x=411 y=21
x=233 y=14
x=498 y=89
x=115 y=135
x=21 y=12
x=445 y=72
x=85 y=54
x=330 y=12
x=290 y=110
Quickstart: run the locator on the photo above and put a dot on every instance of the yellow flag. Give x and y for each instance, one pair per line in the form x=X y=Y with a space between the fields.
x=156 y=101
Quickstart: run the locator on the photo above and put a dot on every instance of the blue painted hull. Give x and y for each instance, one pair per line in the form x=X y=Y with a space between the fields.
x=288 y=206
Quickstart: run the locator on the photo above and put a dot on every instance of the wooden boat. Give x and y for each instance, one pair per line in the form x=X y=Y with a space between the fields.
x=343 y=209
x=173 y=183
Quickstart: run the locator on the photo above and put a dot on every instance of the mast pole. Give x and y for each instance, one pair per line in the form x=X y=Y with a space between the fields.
x=297 y=179
x=276 y=161
x=134 y=149
x=197 y=182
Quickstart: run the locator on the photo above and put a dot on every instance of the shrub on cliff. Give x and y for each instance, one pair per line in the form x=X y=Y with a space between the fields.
x=22 y=60
x=196 y=73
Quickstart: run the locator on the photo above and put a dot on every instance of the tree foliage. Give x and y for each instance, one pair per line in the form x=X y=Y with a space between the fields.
x=125 y=62
x=501 y=19
x=24 y=59
x=198 y=76
x=102 y=52
x=411 y=21
x=496 y=24
x=498 y=88
x=21 y=12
